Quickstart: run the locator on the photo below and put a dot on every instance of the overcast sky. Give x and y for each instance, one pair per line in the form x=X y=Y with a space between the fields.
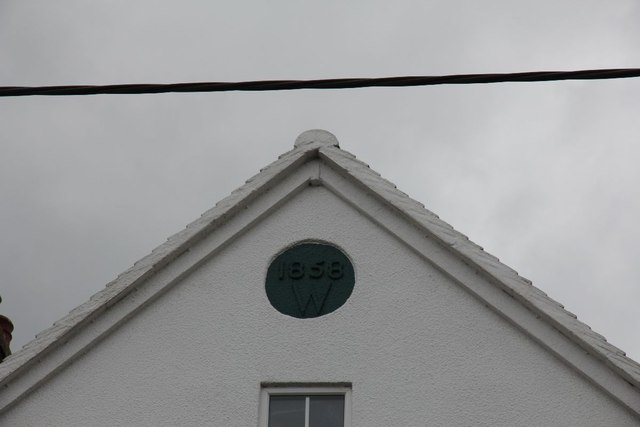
x=542 y=175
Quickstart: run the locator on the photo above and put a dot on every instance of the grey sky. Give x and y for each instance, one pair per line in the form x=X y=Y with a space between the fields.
x=542 y=175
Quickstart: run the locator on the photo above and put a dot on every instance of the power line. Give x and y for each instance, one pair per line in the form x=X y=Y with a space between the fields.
x=346 y=83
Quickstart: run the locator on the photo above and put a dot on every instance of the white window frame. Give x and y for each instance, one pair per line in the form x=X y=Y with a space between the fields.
x=287 y=390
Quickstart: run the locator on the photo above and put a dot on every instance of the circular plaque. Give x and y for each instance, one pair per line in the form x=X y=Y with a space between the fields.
x=309 y=280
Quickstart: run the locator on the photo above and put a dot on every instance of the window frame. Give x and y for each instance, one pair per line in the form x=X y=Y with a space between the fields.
x=303 y=390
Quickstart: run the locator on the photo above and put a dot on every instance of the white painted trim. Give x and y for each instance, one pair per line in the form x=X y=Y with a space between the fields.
x=490 y=266
x=111 y=316
x=31 y=354
x=303 y=390
x=484 y=287
x=307 y=406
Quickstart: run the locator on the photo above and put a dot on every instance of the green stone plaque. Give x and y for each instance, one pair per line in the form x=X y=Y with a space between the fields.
x=309 y=280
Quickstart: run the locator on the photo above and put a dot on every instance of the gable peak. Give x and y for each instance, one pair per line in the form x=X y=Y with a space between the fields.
x=318 y=136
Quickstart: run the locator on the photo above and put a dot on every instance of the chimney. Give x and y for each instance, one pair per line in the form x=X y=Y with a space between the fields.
x=6 y=327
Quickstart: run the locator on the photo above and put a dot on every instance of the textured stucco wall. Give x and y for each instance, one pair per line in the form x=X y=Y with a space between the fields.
x=418 y=349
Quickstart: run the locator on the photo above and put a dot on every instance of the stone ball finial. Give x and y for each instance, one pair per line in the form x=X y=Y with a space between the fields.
x=316 y=135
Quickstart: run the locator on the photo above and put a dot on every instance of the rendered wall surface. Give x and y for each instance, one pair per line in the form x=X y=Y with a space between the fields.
x=417 y=348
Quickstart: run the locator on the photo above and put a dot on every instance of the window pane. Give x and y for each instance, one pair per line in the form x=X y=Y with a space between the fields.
x=286 y=411
x=326 y=411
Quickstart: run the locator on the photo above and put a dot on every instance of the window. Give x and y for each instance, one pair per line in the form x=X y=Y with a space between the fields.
x=305 y=406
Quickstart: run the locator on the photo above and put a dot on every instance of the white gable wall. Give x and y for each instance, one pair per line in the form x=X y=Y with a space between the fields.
x=418 y=349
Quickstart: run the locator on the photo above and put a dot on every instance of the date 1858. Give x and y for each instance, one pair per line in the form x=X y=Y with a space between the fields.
x=298 y=270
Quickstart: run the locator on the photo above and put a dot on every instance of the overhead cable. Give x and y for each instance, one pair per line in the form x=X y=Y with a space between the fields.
x=344 y=83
